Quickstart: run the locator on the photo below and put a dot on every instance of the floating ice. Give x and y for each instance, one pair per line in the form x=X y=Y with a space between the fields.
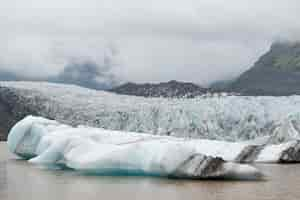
x=99 y=151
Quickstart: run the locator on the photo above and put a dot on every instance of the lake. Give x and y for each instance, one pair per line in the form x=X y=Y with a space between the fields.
x=21 y=180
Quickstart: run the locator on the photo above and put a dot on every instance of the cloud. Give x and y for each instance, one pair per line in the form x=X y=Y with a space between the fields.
x=87 y=71
x=88 y=74
x=193 y=40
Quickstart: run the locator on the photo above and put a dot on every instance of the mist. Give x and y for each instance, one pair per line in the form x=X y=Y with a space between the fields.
x=146 y=41
x=87 y=74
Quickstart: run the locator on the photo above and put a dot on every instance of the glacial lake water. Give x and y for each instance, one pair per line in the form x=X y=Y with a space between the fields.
x=20 y=180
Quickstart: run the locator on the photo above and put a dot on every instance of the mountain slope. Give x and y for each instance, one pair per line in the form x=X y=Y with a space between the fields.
x=275 y=73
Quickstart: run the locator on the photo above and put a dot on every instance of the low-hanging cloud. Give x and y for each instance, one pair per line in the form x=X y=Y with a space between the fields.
x=87 y=74
x=87 y=71
x=193 y=40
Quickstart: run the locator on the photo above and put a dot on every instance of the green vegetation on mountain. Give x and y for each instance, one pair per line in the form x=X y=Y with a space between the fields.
x=276 y=73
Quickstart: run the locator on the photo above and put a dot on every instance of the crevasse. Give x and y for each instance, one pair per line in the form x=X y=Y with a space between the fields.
x=231 y=118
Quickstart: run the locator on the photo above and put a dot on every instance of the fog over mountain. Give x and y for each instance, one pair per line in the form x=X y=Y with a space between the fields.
x=86 y=74
x=79 y=71
x=198 y=41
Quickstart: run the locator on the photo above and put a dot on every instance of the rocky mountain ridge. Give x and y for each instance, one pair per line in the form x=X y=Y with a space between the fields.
x=169 y=89
x=276 y=73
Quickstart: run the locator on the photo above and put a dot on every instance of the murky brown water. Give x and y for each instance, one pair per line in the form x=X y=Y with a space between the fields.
x=20 y=180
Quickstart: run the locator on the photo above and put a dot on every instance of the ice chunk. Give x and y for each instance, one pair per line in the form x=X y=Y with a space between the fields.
x=100 y=151
x=288 y=152
x=30 y=131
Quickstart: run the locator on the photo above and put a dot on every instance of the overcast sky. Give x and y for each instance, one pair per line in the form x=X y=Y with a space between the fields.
x=147 y=40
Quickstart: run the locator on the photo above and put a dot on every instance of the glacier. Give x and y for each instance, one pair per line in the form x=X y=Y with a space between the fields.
x=104 y=152
x=226 y=118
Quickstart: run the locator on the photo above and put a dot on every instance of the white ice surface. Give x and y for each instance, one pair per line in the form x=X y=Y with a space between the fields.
x=231 y=118
x=102 y=151
x=273 y=152
x=48 y=137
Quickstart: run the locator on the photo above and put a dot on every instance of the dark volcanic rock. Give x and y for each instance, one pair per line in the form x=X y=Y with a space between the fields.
x=249 y=154
x=206 y=167
x=169 y=89
x=292 y=154
x=276 y=73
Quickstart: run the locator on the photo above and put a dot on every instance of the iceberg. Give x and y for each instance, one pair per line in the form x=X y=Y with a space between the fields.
x=98 y=151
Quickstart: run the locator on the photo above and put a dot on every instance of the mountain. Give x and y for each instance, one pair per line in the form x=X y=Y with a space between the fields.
x=8 y=76
x=221 y=85
x=168 y=89
x=276 y=73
